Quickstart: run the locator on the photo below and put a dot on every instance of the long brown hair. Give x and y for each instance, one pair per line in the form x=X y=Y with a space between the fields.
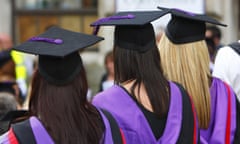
x=65 y=111
x=143 y=68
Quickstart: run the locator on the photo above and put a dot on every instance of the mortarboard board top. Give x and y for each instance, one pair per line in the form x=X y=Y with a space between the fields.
x=190 y=15
x=186 y=27
x=57 y=42
x=133 y=29
x=59 y=60
x=130 y=18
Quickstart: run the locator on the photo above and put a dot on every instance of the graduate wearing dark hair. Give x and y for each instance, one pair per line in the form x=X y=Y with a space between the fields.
x=148 y=108
x=59 y=110
x=185 y=59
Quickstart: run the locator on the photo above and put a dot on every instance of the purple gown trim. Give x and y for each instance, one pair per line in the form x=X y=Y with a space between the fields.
x=216 y=132
x=40 y=133
x=42 y=137
x=4 y=139
x=173 y=124
x=107 y=137
x=132 y=121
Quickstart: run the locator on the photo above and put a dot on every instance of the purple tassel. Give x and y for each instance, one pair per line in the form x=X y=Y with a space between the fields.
x=185 y=12
x=49 y=40
x=98 y=22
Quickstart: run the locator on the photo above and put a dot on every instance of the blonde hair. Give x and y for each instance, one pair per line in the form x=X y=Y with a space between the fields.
x=188 y=64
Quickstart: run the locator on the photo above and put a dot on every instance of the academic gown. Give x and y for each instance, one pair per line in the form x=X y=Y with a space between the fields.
x=224 y=120
x=39 y=135
x=181 y=125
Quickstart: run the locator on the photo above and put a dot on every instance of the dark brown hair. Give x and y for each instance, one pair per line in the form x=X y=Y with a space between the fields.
x=65 y=111
x=144 y=68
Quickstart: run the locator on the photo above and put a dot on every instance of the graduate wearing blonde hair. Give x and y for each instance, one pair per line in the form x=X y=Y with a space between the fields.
x=185 y=59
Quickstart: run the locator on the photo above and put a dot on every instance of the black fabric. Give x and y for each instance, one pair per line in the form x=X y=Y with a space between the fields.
x=191 y=15
x=11 y=115
x=235 y=46
x=4 y=127
x=139 y=18
x=187 y=129
x=116 y=134
x=156 y=123
x=184 y=31
x=237 y=133
x=58 y=63
x=135 y=33
x=72 y=42
x=8 y=118
x=60 y=71
x=137 y=38
x=185 y=27
x=24 y=133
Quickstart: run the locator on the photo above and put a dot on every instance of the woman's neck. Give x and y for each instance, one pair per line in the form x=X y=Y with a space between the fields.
x=140 y=94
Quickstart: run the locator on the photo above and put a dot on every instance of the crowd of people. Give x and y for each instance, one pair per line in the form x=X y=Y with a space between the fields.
x=180 y=88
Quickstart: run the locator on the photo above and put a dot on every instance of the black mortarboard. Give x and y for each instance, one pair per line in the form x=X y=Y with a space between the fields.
x=59 y=60
x=133 y=28
x=186 y=26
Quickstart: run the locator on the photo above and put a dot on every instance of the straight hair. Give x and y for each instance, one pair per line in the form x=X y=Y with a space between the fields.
x=65 y=111
x=188 y=64
x=143 y=68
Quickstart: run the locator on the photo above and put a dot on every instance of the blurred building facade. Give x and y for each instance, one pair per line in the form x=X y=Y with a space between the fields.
x=226 y=11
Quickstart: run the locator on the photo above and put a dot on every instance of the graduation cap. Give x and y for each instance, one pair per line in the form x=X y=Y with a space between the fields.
x=186 y=26
x=59 y=60
x=133 y=29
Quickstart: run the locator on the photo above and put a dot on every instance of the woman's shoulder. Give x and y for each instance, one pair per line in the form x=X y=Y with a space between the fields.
x=34 y=132
x=111 y=94
x=217 y=82
x=177 y=87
